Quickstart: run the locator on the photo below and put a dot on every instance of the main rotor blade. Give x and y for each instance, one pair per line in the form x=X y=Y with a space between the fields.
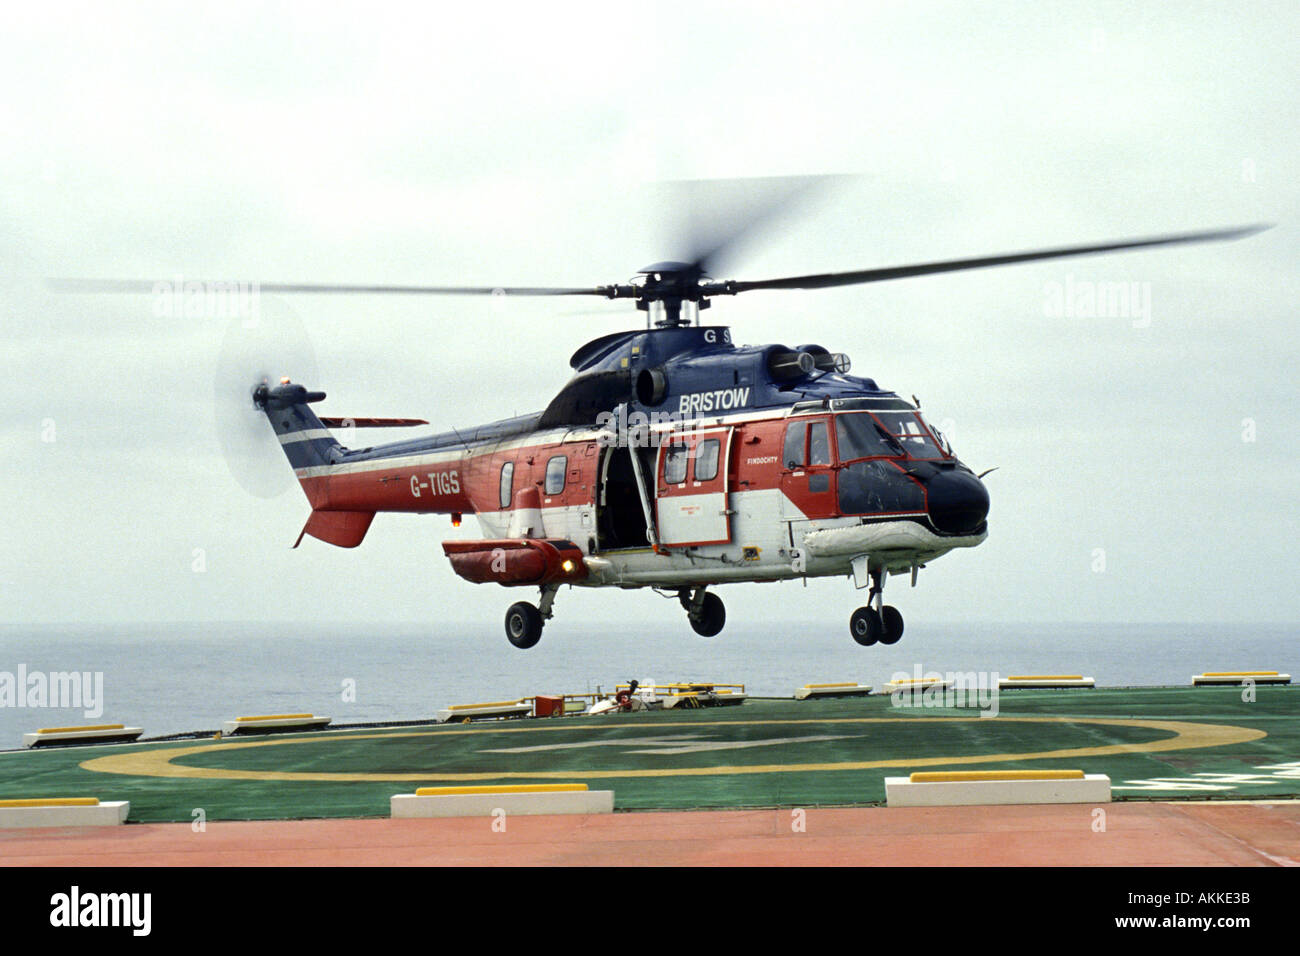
x=202 y=286
x=714 y=216
x=830 y=279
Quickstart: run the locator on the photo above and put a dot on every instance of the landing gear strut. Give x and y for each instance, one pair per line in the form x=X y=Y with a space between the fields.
x=706 y=611
x=876 y=622
x=524 y=622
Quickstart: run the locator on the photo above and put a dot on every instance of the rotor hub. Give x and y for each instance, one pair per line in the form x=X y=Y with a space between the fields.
x=671 y=293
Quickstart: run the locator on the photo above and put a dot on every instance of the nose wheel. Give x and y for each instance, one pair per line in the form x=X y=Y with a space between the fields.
x=876 y=623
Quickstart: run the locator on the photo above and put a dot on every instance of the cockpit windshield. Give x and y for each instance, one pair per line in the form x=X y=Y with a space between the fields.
x=884 y=434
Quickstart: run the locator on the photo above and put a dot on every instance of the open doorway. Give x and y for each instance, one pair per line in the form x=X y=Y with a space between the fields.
x=620 y=518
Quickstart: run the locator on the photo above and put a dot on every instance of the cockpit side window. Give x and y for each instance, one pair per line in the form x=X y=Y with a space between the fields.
x=819 y=444
x=793 y=455
x=942 y=439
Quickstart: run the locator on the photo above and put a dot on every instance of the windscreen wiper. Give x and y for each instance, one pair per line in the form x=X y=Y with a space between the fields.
x=898 y=446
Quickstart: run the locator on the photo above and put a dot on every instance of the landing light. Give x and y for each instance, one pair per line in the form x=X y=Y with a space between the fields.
x=567 y=567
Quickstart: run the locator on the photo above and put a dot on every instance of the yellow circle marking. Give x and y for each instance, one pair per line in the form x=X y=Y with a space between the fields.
x=158 y=763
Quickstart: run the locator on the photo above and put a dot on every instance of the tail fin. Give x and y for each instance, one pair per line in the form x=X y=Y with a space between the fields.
x=308 y=444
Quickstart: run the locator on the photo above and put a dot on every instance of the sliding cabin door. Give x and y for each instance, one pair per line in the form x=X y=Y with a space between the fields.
x=691 y=488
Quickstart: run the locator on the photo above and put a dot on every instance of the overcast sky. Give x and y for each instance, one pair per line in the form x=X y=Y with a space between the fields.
x=1146 y=463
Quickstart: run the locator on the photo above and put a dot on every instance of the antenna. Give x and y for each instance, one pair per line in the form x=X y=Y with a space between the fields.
x=455 y=432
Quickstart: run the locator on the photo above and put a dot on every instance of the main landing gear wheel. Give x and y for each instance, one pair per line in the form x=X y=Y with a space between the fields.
x=893 y=624
x=523 y=625
x=706 y=612
x=874 y=622
x=865 y=626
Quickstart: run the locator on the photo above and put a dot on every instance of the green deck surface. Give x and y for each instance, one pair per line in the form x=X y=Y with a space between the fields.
x=764 y=753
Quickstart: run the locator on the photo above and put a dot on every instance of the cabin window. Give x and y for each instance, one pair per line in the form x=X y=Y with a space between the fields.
x=674 y=464
x=555 y=469
x=819 y=444
x=706 y=459
x=793 y=456
x=507 y=483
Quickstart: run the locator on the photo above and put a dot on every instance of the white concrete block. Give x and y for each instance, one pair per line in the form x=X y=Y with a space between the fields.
x=832 y=690
x=230 y=728
x=481 y=711
x=901 y=792
x=1239 y=679
x=108 y=813
x=408 y=805
x=108 y=735
x=914 y=687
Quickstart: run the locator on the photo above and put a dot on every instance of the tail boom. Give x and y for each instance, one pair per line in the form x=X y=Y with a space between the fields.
x=346 y=488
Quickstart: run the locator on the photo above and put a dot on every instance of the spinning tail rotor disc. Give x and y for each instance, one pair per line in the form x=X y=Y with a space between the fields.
x=262 y=348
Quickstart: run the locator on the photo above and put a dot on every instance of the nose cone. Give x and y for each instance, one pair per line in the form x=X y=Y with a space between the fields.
x=957 y=501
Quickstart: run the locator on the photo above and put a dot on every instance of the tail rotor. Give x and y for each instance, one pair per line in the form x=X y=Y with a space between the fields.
x=256 y=353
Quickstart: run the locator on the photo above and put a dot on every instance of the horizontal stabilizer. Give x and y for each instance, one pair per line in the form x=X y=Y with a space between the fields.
x=346 y=529
x=371 y=422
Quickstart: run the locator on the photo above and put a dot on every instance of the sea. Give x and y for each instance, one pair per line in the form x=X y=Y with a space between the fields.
x=180 y=678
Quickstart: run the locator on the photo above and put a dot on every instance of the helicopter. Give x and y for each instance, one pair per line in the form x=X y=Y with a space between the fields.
x=673 y=458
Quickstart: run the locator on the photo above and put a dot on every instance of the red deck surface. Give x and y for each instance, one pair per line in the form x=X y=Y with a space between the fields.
x=1136 y=834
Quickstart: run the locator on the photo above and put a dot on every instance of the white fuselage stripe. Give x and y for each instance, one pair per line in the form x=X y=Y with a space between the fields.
x=553 y=437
